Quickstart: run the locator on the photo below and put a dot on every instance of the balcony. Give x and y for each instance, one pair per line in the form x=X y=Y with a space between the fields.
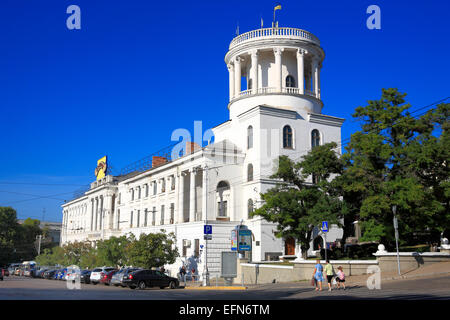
x=268 y=90
x=270 y=33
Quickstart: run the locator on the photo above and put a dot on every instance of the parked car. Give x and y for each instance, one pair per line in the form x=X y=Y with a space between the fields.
x=98 y=273
x=5 y=272
x=150 y=278
x=61 y=274
x=117 y=278
x=17 y=272
x=72 y=273
x=85 y=276
x=106 y=279
x=40 y=272
x=49 y=274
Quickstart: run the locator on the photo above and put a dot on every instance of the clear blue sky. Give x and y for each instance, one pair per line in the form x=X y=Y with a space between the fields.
x=137 y=70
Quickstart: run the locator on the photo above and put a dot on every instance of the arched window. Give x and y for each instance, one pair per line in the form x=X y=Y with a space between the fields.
x=250 y=207
x=315 y=138
x=287 y=137
x=250 y=172
x=290 y=82
x=249 y=137
x=223 y=189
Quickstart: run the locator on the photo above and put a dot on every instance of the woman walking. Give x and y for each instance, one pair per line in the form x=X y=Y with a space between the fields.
x=318 y=276
x=330 y=273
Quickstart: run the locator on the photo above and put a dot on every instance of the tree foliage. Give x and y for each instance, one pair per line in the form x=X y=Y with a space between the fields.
x=298 y=206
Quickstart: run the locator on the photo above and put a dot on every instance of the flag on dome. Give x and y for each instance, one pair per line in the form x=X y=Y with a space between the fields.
x=277 y=7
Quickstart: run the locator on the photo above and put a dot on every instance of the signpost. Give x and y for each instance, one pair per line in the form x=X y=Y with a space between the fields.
x=394 y=210
x=207 y=230
x=325 y=230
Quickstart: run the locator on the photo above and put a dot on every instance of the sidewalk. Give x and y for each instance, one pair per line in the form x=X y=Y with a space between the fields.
x=431 y=270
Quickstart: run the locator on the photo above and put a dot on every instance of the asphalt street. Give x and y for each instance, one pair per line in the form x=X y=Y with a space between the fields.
x=20 y=288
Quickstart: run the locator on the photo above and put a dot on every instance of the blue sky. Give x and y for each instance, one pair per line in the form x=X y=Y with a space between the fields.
x=139 y=69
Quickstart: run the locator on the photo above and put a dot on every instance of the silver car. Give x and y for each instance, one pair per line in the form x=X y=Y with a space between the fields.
x=117 y=278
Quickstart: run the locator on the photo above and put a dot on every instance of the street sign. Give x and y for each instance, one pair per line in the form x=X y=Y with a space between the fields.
x=207 y=237
x=325 y=226
x=207 y=229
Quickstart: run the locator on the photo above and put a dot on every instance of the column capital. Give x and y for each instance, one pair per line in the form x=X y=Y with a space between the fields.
x=254 y=53
x=302 y=52
x=278 y=50
x=230 y=67
x=238 y=59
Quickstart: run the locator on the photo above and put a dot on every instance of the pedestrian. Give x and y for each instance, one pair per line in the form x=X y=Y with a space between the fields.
x=193 y=274
x=162 y=270
x=329 y=273
x=183 y=273
x=317 y=274
x=340 y=278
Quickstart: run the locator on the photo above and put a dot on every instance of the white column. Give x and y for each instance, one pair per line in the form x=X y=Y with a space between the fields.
x=237 y=76
x=315 y=72
x=192 y=196
x=278 y=75
x=96 y=214
x=318 y=80
x=254 y=75
x=91 y=215
x=231 y=80
x=181 y=194
x=301 y=70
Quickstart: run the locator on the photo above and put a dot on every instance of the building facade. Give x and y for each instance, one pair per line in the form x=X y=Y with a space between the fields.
x=274 y=109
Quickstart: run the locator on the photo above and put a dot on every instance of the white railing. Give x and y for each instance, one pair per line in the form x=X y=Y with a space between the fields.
x=275 y=32
x=266 y=90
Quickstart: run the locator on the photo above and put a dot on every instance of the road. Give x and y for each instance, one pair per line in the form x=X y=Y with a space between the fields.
x=20 y=288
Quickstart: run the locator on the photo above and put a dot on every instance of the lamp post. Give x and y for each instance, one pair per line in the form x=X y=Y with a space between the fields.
x=394 y=210
x=205 y=269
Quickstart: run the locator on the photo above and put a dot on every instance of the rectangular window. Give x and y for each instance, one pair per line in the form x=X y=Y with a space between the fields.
x=132 y=194
x=120 y=198
x=196 y=248
x=139 y=192
x=173 y=183
x=184 y=248
x=138 y=218
x=131 y=220
x=145 y=217
x=153 y=216
x=163 y=185
x=146 y=190
x=162 y=214
x=172 y=213
x=155 y=188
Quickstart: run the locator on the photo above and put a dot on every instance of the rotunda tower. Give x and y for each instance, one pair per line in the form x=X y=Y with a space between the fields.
x=275 y=66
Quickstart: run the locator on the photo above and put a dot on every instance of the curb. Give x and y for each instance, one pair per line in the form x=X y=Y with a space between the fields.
x=216 y=288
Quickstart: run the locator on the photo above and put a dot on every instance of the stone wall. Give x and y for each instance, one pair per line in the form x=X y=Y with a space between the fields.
x=259 y=273
x=409 y=260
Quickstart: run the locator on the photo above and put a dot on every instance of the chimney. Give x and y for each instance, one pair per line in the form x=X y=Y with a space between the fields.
x=158 y=161
x=191 y=147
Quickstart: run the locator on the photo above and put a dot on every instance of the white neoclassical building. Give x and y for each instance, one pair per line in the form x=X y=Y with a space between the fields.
x=275 y=109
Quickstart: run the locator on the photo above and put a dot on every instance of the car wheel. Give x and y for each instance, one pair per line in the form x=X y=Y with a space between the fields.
x=94 y=283
x=133 y=287
x=172 y=285
x=142 y=285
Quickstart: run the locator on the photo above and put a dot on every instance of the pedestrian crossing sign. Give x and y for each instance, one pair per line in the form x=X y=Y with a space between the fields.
x=325 y=226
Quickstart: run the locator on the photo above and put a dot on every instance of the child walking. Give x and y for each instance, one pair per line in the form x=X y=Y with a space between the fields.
x=340 y=278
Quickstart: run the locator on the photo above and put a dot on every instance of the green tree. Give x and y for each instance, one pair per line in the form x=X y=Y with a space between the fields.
x=153 y=250
x=298 y=206
x=397 y=159
x=113 y=251
x=8 y=234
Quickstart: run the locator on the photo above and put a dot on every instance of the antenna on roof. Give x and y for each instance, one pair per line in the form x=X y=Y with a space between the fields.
x=237 y=29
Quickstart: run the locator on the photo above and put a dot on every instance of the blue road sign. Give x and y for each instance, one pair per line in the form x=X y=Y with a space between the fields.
x=325 y=226
x=207 y=229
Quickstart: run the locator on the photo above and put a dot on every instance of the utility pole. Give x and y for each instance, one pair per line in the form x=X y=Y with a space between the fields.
x=394 y=211
x=205 y=270
x=39 y=246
